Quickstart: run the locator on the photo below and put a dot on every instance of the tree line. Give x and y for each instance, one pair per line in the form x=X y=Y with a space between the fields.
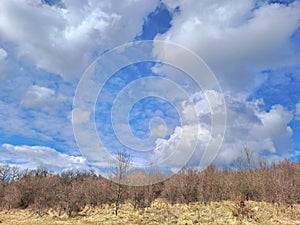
x=69 y=192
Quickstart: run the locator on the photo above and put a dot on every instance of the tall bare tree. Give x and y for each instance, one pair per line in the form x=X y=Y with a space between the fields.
x=120 y=175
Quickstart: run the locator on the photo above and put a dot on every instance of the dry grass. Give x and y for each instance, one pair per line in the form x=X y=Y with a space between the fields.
x=163 y=213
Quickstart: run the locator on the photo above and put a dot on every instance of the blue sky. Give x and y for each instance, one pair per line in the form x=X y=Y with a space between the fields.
x=252 y=47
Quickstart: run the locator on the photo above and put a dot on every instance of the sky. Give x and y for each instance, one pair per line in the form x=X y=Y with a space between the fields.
x=155 y=111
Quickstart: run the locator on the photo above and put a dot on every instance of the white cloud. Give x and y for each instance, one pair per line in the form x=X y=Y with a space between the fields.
x=180 y=147
x=37 y=125
x=11 y=121
x=78 y=116
x=265 y=132
x=235 y=40
x=34 y=156
x=158 y=127
x=41 y=98
x=4 y=68
x=3 y=54
x=63 y=40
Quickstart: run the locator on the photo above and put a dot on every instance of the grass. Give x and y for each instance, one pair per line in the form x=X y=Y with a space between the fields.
x=161 y=212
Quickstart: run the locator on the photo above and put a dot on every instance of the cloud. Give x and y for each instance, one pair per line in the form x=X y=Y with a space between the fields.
x=181 y=146
x=4 y=68
x=158 y=127
x=65 y=40
x=297 y=114
x=36 y=126
x=267 y=133
x=42 y=98
x=190 y=139
x=236 y=40
x=3 y=54
x=78 y=116
x=34 y=156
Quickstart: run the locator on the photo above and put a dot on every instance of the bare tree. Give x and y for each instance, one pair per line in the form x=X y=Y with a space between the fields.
x=9 y=174
x=246 y=180
x=245 y=160
x=120 y=174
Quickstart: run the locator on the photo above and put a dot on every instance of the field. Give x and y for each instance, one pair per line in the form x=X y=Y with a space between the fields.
x=160 y=212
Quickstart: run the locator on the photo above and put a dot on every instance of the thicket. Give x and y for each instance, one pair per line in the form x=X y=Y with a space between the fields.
x=69 y=192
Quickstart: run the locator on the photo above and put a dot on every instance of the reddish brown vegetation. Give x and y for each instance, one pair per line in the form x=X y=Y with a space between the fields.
x=71 y=191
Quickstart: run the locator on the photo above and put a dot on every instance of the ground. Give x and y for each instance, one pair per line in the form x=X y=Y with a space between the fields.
x=163 y=213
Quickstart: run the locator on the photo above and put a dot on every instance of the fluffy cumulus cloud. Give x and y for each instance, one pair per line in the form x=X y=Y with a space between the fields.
x=188 y=142
x=181 y=147
x=34 y=156
x=236 y=39
x=64 y=38
x=266 y=133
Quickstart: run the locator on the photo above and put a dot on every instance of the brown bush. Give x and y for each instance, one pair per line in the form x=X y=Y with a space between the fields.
x=71 y=191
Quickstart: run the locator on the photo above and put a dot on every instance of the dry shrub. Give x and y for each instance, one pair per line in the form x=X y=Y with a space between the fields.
x=188 y=183
x=71 y=191
x=241 y=210
x=46 y=196
x=171 y=191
